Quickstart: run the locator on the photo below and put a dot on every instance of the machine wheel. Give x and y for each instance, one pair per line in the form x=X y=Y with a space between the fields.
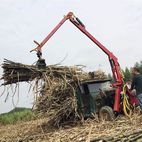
x=106 y=113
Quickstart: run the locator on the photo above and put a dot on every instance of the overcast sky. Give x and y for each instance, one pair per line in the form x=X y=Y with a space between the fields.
x=117 y=24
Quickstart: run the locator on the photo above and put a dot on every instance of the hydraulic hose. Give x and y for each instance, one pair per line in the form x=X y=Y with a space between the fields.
x=126 y=105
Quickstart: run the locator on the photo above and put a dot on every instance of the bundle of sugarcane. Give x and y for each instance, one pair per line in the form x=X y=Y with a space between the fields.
x=16 y=72
x=59 y=104
x=56 y=94
x=98 y=75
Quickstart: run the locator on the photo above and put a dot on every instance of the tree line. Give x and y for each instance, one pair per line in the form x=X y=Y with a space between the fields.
x=127 y=72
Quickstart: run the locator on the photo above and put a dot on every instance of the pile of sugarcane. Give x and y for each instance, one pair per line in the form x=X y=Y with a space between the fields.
x=59 y=105
x=56 y=95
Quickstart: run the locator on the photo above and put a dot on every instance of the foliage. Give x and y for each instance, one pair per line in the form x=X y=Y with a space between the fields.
x=139 y=66
x=110 y=77
x=16 y=115
x=127 y=72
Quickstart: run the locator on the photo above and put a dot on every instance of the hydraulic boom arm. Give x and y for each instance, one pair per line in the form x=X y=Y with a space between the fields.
x=113 y=60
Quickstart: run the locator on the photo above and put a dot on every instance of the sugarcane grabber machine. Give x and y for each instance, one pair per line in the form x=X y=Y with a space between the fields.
x=118 y=87
x=40 y=62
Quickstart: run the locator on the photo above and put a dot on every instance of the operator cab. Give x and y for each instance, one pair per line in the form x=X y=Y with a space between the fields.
x=92 y=95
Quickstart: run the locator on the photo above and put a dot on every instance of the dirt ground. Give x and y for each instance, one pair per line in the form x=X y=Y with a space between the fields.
x=123 y=129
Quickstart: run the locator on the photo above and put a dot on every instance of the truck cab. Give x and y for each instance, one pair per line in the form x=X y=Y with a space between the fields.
x=95 y=97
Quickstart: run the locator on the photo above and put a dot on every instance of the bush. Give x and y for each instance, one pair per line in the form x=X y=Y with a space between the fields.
x=16 y=115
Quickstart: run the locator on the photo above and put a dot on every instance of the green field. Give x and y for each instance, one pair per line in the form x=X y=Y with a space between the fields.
x=16 y=115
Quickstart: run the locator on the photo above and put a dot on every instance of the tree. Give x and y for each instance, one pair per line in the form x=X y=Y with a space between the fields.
x=139 y=66
x=110 y=77
x=127 y=75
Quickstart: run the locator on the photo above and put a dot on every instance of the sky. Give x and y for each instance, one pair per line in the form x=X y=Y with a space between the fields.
x=117 y=24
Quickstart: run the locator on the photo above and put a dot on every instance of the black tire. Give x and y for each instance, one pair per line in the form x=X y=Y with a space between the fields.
x=106 y=113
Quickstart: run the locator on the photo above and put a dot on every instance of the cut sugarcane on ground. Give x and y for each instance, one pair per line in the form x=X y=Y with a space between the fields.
x=120 y=130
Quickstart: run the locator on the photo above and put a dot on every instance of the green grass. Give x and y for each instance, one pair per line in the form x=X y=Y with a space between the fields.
x=16 y=115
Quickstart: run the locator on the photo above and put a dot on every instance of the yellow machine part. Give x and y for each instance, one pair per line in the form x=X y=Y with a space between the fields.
x=126 y=105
